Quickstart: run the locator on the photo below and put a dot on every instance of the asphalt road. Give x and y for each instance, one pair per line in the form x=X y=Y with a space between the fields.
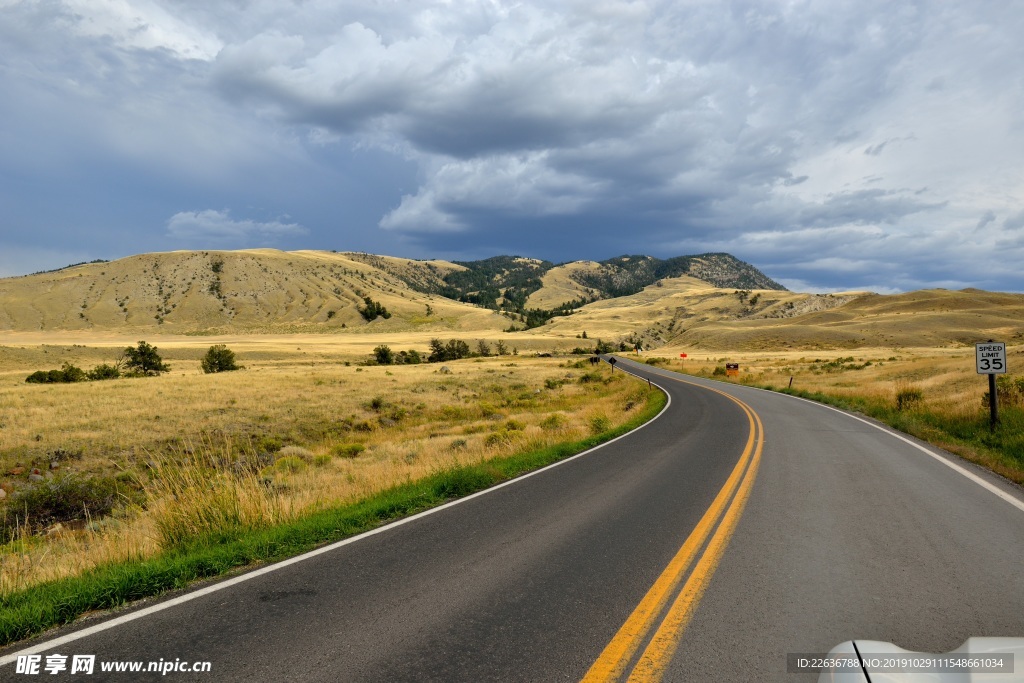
x=826 y=529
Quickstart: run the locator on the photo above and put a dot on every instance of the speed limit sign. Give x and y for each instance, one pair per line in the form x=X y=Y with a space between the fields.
x=991 y=358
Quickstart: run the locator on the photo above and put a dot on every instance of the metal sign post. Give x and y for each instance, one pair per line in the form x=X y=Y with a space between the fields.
x=990 y=359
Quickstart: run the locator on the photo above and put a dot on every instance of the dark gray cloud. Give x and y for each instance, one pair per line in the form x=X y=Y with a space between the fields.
x=837 y=145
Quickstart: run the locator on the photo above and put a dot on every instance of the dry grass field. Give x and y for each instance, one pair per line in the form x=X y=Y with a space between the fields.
x=302 y=427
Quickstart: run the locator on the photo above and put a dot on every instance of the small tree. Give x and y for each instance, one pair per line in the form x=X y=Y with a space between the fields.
x=384 y=355
x=500 y=348
x=483 y=348
x=437 y=354
x=456 y=349
x=144 y=360
x=219 y=358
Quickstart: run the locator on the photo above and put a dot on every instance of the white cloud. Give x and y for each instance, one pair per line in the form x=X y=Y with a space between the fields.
x=142 y=24
x=218 y=226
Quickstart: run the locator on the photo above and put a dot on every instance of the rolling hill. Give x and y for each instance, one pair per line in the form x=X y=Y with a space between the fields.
x=268 y=291
x=265 y=290
x=262 y=290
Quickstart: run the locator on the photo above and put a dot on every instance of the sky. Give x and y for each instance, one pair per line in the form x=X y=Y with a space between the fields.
x=835 y=145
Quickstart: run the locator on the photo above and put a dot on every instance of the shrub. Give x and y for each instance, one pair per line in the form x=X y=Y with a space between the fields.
x=64 y=499
x=1010 y=391
x=144 y=360
x=719 y=371
x=73 y=373
x=290 y=465
x=600 y=424
x=383 y=355
x=488 y=410
x=104 y=371
x=499 y=438
x=295 y=452
x=349 y=450
x=908 y=397
x=67 y=373
x=552 y=422
x=219 y=358
x=410 y=357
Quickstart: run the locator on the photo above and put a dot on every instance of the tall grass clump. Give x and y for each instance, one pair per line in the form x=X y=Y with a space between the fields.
x=193 y=498
x=908 y=397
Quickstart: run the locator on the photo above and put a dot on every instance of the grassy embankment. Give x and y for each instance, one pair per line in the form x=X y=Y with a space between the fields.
x=932 y=394
x=215 y=473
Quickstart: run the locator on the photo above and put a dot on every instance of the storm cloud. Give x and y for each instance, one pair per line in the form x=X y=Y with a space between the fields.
x=834 y=145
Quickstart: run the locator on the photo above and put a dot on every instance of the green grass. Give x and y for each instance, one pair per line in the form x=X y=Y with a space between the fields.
x=44 y=606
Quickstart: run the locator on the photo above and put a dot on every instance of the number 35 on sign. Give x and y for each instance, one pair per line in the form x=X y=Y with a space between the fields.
x=991 y=358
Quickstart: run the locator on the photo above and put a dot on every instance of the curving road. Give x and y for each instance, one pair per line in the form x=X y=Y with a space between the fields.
x=737 y=527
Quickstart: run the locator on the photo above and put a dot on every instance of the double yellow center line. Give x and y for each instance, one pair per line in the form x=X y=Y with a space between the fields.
x=655 y=608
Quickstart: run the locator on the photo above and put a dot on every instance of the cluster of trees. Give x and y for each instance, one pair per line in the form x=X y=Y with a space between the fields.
x=373 y=310
x=440 y=351
x=385 y=356
x=453 y=350
x=508 y=278
x=535 y=317
x=600 y=348
x=142 y=360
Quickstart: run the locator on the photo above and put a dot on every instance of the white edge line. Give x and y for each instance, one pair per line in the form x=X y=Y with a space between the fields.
x=992 y=488
x=112 y=623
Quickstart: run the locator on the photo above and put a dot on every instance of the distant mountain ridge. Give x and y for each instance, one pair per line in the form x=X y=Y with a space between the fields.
x=625 y=275
x=506 y=282
x=265 y=290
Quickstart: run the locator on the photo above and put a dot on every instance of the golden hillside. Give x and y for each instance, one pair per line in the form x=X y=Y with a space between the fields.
x=689 y=313
x=313 y=292
x=659 y=312
x=261 y=290
x=931 y=317
x=558 y=286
